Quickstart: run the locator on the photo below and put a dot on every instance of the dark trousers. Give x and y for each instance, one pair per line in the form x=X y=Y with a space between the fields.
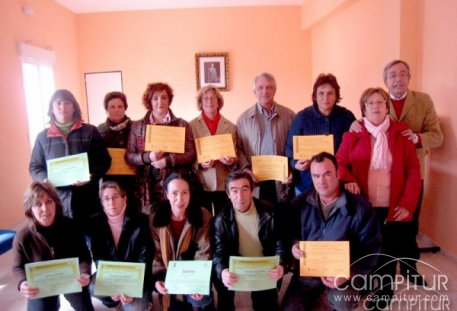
x=265 y=300
x=413 y=248
x=397 y=242
x=79 y=301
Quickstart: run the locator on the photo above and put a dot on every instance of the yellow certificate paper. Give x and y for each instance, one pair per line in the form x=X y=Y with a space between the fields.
x=66 y=171
x=325 y=258
x=270 y=167
x=118 y=164
x=214 y=147
x=252 y=272
x=53 y=277
x=116 y=277
x=165 y=138
x=188 y=277
x=305 y=147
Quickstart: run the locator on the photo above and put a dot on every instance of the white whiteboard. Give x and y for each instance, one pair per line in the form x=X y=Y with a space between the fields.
x=97 y=85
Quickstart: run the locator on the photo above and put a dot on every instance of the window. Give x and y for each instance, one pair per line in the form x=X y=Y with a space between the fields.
x=38 y=78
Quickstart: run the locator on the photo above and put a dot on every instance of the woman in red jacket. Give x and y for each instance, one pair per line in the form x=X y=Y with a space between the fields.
x=380 y=163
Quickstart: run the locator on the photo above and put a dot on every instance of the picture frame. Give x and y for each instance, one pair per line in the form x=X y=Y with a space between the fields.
x=212 y=69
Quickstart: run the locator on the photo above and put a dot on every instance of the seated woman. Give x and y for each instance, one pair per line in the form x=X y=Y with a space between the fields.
x=380 y=163
x=120 y=234
x=153 y=166
x=212 y=173
x=49 y=235
x=180 y=231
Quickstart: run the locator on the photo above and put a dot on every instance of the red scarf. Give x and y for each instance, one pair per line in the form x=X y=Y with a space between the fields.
x=211 y=124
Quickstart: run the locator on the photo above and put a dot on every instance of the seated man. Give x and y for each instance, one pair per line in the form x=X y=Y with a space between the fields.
x=120 y=234
x=329 y=213
x=245 y=227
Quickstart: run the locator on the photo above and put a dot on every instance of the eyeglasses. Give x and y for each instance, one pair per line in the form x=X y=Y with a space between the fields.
x=209 y=98
x=401 y=75
x=113 y=198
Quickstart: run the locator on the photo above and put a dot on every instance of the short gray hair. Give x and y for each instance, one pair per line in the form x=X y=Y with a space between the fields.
x=393 y=63
x=264 y=75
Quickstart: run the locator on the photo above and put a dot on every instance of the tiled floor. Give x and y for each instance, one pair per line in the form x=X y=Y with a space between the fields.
x=440 y=271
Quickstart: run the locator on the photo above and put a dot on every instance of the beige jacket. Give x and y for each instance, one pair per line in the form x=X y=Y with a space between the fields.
x=213 y=178
x=420 y=115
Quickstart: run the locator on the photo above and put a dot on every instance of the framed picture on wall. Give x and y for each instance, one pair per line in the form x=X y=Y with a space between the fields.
x=212 y=69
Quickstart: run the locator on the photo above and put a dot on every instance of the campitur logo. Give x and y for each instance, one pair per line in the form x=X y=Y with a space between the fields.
x=405 y=295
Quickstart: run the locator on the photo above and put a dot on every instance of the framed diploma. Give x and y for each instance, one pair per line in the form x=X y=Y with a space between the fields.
x=116 y=277
x=118 y=164
x=305 y=147
x=188 y=277
x=214 y=147
x=54 y=277
x=165 y=138
x=270 y=167
x=68 y=170
x=325 y=258
x=252 y=272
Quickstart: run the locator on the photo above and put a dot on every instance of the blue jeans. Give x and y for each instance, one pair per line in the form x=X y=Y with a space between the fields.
x=79 y=301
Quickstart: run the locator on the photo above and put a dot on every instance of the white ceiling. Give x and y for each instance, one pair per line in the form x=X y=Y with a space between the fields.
x=90 y=6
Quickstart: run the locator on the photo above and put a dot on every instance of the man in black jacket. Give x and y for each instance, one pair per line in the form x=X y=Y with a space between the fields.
x=245 y=227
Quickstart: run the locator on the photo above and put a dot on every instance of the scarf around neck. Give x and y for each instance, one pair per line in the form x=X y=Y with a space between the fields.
x=119 y=126
x=381 y=146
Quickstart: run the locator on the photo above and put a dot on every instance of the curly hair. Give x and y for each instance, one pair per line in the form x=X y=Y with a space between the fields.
x=326 y=79
x=156 y=87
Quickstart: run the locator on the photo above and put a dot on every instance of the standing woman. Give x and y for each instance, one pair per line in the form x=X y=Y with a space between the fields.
x=153 y=166
x=115 y=133
x=180 y=231
x=120 y=234
x=212 y=174
x=68 y=135
x=323 y=117
x=47 y=236
x=380 y=163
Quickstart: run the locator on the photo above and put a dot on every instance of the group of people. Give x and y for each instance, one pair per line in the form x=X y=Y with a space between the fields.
x=369 y=193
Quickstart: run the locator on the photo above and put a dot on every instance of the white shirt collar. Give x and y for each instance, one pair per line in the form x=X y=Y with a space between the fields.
x=393 y=97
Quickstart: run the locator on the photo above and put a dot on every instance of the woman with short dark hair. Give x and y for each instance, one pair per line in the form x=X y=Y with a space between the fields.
x=68 y=135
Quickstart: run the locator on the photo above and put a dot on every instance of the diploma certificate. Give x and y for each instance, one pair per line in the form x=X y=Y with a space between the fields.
x=116 y=277
x=165 y=138
x=305 y=147
x=252 y=272
x=325 y=258
x=214 y=147
x=188 y=277
x=118 y=164
x=270 y=167
x=65 y=171
x=54 y=277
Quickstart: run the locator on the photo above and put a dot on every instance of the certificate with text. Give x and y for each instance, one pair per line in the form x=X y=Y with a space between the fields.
x=118 y=164
x=116 y=277
x=252 y=272
x=325 y=258
x=305 y=147
x=270 y=167
x=214 y=147
x=165 y=138
x=188 y=277
x=65 y=171
x=54 y=277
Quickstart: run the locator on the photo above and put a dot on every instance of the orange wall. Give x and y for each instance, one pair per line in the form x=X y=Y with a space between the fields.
x=51 y=27
x=438 y=76
x=151 y=46
x=356 y=39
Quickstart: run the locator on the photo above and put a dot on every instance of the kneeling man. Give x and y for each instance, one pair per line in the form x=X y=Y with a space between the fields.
x=329 y=213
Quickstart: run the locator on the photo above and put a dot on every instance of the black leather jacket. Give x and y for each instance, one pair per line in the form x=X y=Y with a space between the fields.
x=226 y=235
